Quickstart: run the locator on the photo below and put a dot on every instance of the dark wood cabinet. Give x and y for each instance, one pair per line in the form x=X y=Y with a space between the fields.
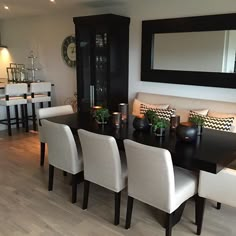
x=102 y=55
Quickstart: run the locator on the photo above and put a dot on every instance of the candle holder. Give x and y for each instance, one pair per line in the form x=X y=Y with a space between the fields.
x=123 y=109
x=94 y=109
x=174 y=122
x=116 y=119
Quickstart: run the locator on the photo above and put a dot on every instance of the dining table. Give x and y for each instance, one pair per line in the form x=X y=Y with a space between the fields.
x=212 y=151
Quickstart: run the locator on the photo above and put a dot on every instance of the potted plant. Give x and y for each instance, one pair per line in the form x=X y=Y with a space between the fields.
x=198 y=120
x=102 y=115
x=159 y=125
x=150 y=115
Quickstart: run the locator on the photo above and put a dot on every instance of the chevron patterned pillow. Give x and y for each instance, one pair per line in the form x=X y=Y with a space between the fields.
x=161 y=113
x=223 y=124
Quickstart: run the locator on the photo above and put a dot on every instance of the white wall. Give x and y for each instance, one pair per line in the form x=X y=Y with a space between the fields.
x=45 y=35
x=153 y=9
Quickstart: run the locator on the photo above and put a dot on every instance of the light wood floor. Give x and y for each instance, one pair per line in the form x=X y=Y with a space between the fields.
x=27 y=208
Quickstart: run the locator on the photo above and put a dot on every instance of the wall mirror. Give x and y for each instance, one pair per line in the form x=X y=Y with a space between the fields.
x=192 y=50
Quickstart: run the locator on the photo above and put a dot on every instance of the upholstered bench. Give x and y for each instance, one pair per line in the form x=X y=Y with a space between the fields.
x=182 y=105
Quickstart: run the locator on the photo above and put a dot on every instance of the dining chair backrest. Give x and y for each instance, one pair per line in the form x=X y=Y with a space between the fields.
x=218 y=187
x=50 y=112
x=150 y=175
x=62 y=150
x=16 y=89
x=41 y=87
x=101 y=157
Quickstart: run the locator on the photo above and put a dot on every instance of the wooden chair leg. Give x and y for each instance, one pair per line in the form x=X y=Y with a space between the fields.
x=86 y=194
x=218 y=206
x=22 y=115
x=26 y=118
x=74 y=188
x=201 y=208
x=42 y=153
x=117 y=208
x=8 y=120
x=34 y=116
x=169 y=223
x=50 y=179
x=17 y=116
x=129 y=212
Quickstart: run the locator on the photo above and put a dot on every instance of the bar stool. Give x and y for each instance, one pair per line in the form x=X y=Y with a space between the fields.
x=40 y=93
x=15 y=94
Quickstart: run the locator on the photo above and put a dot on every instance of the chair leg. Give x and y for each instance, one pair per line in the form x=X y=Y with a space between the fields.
x=34 y=116
x=17 y=116
x=86 y=194
x=74 y=188
x=26 y=118
x=201 y=208
x=129 y=212
x=218 y=206
x=8 y=120
x=169 y=223
x=50 y=180
x=117 y=208
x=41 y=104
x=42 y=153
x=22 y=115
x=49 y=104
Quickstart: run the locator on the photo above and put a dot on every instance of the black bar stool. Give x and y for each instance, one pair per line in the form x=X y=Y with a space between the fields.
x=40 y=93
x=15 y=94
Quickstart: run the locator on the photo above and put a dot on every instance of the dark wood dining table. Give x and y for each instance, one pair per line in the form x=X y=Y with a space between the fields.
x=212 y=151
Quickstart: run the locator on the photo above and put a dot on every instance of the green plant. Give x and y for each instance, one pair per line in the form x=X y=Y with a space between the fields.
x=197 y=119
x=102 y=115
x=159 y=123
x=150 y=115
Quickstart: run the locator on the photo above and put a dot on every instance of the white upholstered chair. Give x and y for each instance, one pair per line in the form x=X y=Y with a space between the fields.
x=152 y=179
x=47 y=112
x=62 y=153
x=218 y=187
x=103 y=165
x=39 y=93
x=15 y=94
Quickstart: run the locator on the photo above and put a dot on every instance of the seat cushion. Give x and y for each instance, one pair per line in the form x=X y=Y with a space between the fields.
x=39 y=98
x=186 y=183
x=12 y=101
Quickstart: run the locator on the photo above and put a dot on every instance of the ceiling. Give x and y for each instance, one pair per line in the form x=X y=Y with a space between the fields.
x=22 y=8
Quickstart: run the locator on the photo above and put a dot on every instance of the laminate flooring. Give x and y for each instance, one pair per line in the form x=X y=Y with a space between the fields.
x=27 y=208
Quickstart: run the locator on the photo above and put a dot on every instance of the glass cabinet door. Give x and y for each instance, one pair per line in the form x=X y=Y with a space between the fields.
x=85 y=71
x=101 y=67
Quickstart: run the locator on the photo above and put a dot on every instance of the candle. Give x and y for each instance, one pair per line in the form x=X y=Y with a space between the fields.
x=123 y=109
x=116 y=119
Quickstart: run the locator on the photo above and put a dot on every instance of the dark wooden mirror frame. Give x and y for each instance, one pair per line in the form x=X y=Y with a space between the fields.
x=186 y=24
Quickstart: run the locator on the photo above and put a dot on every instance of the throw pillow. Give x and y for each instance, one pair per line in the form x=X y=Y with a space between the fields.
x=223 y=124
x=225 y=115
x=140 y=107
x=165 y=113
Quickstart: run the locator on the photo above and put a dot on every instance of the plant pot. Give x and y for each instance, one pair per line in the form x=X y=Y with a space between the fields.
x=187 y=132
x=140 y=123
x=199 y=130
x=101 y=122
x=160 y=132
